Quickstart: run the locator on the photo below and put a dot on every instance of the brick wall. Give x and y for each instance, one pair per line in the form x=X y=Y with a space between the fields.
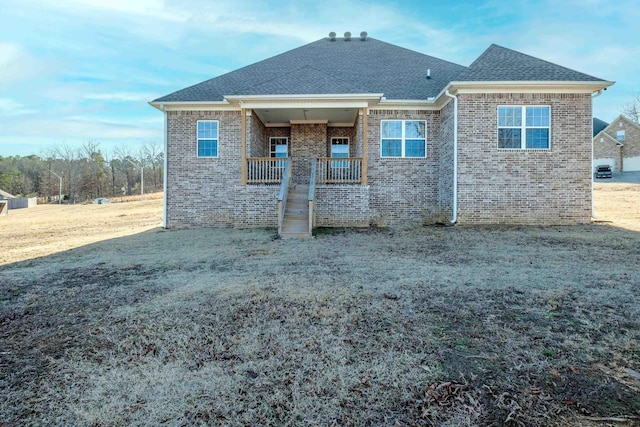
x=307 y=142
x=200 y=190
x=342 y=206
x=524 y=186
x=257 y=139
x=255 y=206
x=404 y=189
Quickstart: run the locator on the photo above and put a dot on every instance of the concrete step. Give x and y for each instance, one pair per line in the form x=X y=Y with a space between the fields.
x=296 y=216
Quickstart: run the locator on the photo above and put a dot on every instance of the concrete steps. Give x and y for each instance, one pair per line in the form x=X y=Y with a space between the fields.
x=296 y=215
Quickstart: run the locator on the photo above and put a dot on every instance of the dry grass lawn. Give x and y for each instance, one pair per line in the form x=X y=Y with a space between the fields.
x=108 y=320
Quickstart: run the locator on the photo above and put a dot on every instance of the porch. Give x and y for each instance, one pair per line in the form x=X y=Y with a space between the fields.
x=309 y=154
x=333 y=194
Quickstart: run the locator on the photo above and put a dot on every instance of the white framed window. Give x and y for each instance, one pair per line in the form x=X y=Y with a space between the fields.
x=207 y=138
x=279 y=148
x=524 y=127
x=403 y=138
x=340 y=149
x=620 y=135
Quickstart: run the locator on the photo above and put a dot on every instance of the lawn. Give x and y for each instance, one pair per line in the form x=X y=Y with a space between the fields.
x=136 y=325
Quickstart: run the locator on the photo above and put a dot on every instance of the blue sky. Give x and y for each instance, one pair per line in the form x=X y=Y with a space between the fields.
x=78 y=70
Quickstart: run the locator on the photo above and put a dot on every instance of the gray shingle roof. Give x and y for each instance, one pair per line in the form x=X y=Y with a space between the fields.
x=498 y=63
x=370 y=66
x=339 y=67
x=598 y=125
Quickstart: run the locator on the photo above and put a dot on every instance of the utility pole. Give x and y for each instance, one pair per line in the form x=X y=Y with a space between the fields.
x=141 y=166
x=59 y=187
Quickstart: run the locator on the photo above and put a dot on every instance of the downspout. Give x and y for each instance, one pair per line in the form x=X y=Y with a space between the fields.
x=593 y=208
x=454 y=214
x=165 y=172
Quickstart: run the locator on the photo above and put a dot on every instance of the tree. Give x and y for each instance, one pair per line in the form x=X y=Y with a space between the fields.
x=632 y=109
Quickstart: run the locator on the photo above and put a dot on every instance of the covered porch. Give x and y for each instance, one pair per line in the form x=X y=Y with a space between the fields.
x=318 y=150
x=304 y=128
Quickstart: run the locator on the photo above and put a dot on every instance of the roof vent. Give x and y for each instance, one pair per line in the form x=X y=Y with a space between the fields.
x=347 y=36
x=428 y=73
x=363 y=35
x=332 y=36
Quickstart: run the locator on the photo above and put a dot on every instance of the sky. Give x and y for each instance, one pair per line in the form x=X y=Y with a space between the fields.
x=73 y=71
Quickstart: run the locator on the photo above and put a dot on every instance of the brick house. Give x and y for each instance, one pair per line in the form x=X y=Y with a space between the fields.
x=418 y=139
x=617 y=144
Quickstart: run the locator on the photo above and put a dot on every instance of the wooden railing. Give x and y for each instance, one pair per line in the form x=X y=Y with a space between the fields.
x=346 y=170
x=284 y=194
x=312 y=195
x=265 y=170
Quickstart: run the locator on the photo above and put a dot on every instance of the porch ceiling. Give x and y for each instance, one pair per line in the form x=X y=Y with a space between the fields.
x=284 y=116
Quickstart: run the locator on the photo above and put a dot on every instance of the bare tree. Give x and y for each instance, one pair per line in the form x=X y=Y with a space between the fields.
x=632 y=109
x=68 y=156
x=154 y=158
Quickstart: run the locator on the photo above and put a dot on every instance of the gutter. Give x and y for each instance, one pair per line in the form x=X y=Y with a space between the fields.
x=165 y=173
x=593 y=208
x=454 y=214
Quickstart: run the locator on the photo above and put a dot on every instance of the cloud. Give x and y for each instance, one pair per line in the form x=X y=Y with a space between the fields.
x=16 y=64
x=9 y=107
x=121 y=96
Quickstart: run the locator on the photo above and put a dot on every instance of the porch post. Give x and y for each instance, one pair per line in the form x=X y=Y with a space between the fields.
x=365 y=145
x=243 y=146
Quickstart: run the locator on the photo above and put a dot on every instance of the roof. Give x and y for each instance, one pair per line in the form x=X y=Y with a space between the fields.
x=338 y=67
x=354 y=66
x=598 y=125
x=608 y=137
x=5 y=195
x=498 y=63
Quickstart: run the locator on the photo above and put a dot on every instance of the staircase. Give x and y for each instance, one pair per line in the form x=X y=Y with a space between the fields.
x=296 y=214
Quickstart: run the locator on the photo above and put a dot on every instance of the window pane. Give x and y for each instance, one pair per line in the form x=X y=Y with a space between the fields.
x=208 y=148
x=509 y=116
x=391 y=129
x=340 y=149
x=414 y=129
x=281 y=149
x=414 y=148
x=207 y=129
x=537 y=116
x=509 y=138
x=537 y=138
x=391 y=147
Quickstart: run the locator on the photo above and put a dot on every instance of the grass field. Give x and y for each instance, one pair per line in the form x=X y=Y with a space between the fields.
x=108 y=320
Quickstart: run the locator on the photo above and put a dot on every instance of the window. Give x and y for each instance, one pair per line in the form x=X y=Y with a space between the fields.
x=403 y=138
x=524 y=127
x=340 y=149
x=207 y=138
x=620 y=135
x=279 y=148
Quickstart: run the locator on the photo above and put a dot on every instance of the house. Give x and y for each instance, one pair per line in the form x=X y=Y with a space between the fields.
x=507 y=139
x=617 y=144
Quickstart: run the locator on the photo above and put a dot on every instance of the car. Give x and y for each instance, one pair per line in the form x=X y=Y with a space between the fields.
x=101 y=201
x=604 y=171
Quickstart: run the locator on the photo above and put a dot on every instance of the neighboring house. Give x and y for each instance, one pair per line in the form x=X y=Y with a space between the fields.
x=506 y=140
x=617 y=144
x=4 y=202
x=4 y=195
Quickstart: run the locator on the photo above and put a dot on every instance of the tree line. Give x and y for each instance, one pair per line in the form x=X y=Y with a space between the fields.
x=87 y=172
